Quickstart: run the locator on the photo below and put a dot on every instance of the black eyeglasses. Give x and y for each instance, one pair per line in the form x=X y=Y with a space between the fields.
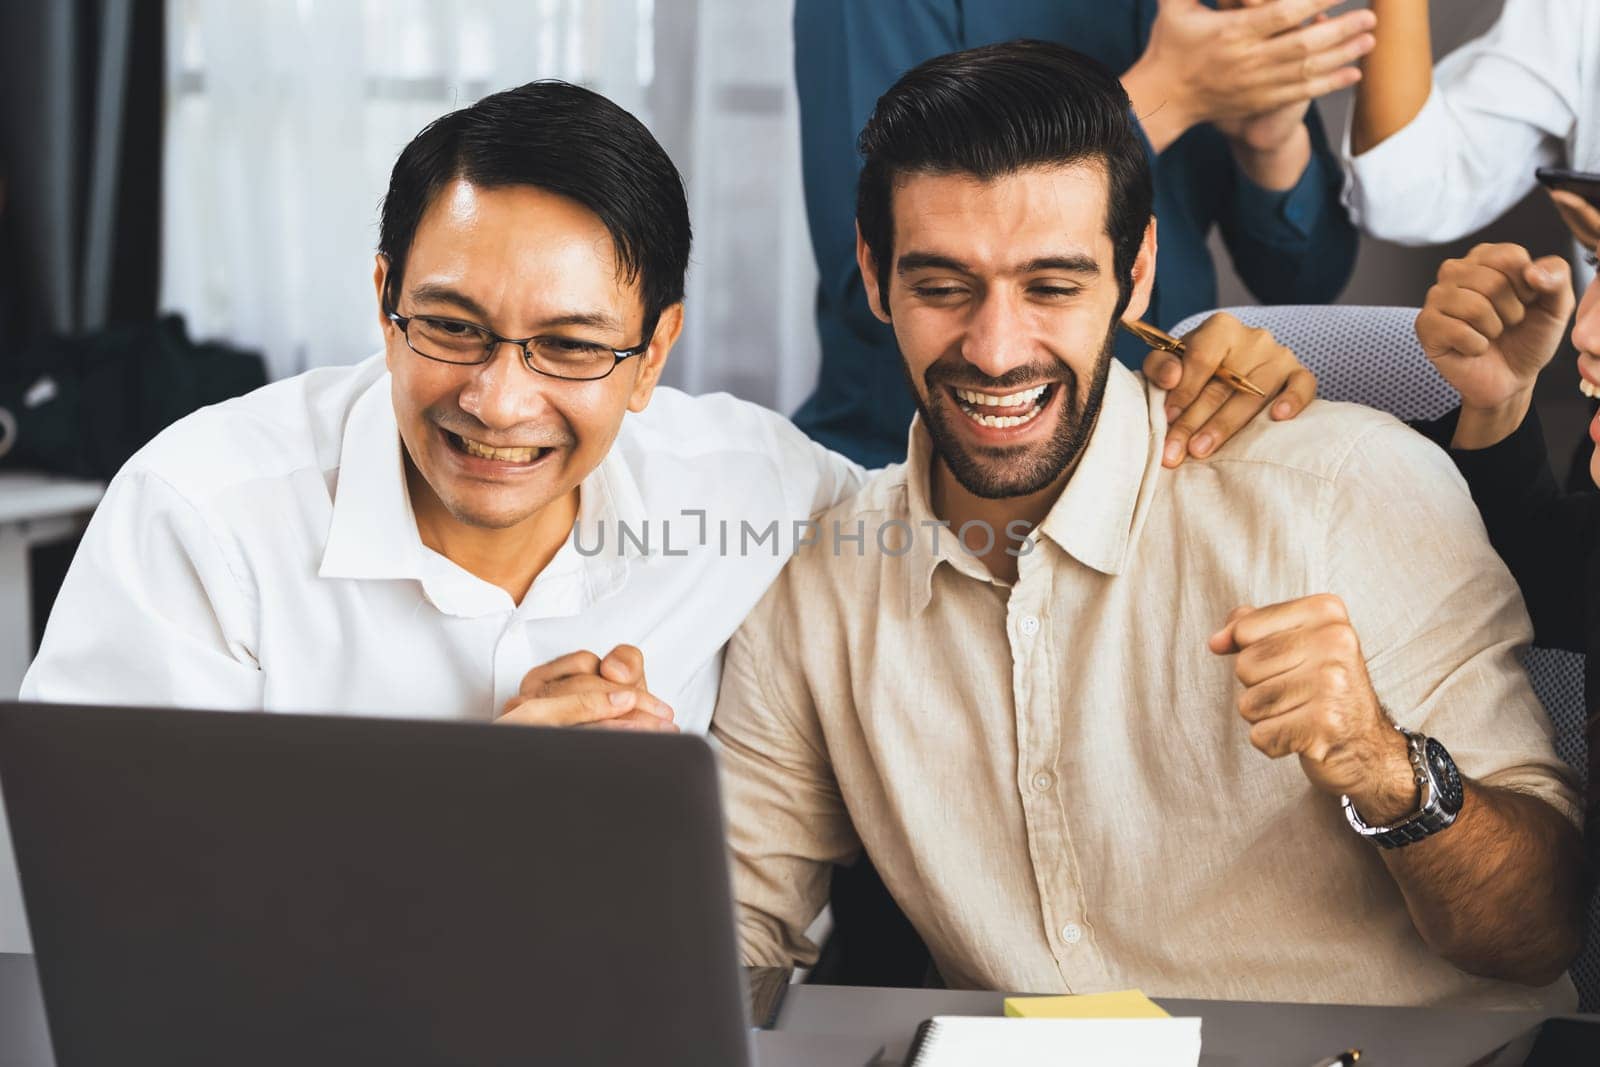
x=467 y=343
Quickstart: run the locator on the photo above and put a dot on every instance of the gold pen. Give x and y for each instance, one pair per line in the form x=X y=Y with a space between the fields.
x=1160 y=339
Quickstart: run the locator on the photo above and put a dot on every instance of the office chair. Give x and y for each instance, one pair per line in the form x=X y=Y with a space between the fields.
x=1370 y=355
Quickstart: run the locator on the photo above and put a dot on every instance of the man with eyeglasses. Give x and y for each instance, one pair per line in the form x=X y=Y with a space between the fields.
x=484 y=521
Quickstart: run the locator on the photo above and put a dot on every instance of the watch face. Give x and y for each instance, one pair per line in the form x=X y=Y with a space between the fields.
x=1445 y=776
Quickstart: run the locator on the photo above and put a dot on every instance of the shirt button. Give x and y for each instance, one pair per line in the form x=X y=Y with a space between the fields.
x=1030 y=626
x=1072 y=933
x=1043 y=781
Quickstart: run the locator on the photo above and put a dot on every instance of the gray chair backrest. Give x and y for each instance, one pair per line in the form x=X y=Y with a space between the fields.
x=1362 y=355
x=1370 y=355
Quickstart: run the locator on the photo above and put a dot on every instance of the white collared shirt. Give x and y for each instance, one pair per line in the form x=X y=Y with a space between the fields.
x=1524 y=95
x=262 y=554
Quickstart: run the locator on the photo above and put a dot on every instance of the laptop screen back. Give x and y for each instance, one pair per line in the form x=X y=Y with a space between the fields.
x=220 y=887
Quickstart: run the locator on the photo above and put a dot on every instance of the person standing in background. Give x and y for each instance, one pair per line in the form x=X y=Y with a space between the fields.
x=1223 y=98
x=1434 y=153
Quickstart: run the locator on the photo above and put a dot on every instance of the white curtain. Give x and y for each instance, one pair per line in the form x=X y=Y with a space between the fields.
x=284 y=119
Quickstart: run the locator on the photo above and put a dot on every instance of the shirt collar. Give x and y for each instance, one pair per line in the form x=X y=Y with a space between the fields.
x=930 y=545
x=1093 y=519
x=374 y=532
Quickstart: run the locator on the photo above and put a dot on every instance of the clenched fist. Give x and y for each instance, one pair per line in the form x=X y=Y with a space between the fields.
x=1306 y=693
x=1493 y=320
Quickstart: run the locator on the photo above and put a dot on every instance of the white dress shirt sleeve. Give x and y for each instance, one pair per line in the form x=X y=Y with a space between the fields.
x=1499 y=107
x=817 y=477
x=151 y=612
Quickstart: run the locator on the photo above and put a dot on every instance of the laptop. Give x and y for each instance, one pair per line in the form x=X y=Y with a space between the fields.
x=243 y=888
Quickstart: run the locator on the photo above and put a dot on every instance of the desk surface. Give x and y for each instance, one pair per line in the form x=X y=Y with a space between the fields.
x=24 y=1040
x=1233 y=1034
x=25 y=496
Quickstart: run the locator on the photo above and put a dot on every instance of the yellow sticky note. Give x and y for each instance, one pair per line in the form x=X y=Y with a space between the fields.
x=1127 y=1004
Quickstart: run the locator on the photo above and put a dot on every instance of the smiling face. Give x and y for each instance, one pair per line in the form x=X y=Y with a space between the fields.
x=496 y=443
x=1003 y=299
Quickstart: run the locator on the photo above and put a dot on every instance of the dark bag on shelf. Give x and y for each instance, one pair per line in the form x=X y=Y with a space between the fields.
x=82 y=405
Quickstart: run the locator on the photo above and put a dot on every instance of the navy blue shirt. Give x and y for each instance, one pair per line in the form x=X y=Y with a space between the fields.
x=1291 y=247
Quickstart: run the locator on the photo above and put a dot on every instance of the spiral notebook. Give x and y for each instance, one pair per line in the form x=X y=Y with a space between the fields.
x=967 y=1041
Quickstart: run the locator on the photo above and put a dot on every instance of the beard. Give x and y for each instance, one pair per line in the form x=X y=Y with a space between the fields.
x=997 y=472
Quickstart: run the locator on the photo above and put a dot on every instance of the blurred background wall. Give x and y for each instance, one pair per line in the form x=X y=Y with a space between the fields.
x=283 y=121
x=225 y=158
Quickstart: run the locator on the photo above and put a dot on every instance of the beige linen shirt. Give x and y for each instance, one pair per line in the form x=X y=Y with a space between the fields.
x=1052 y=777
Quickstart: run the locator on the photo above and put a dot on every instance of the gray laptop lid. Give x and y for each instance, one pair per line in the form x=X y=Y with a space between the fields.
x=221 y=887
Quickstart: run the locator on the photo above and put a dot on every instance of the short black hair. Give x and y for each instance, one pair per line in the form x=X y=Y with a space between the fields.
x=992 y=111
x=570 y=141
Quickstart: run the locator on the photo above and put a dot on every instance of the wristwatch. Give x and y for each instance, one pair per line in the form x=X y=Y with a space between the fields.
x=1439 y=784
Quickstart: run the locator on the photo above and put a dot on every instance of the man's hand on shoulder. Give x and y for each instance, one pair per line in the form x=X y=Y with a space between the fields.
x=1203 y=411
x=582 y=689
x=1307 y=693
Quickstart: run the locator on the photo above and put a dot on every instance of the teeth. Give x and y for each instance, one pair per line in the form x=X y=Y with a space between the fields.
x=1011 y=400
x=1002 y=421
x=502 y=455
x=1588 y=388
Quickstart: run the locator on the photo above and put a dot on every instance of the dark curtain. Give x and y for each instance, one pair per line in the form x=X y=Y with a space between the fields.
x=81 y=101
x=136 y=235
x=81 y=89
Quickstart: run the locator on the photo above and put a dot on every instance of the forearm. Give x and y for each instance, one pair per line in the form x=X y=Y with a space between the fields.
x=1500 y=892
x=786 y=822
x=766 y=941
x=1397 y=74
x=1478 y=428
x=782 y=845
x=1295 y=247
x=1158 y=103
x=1278 y=168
